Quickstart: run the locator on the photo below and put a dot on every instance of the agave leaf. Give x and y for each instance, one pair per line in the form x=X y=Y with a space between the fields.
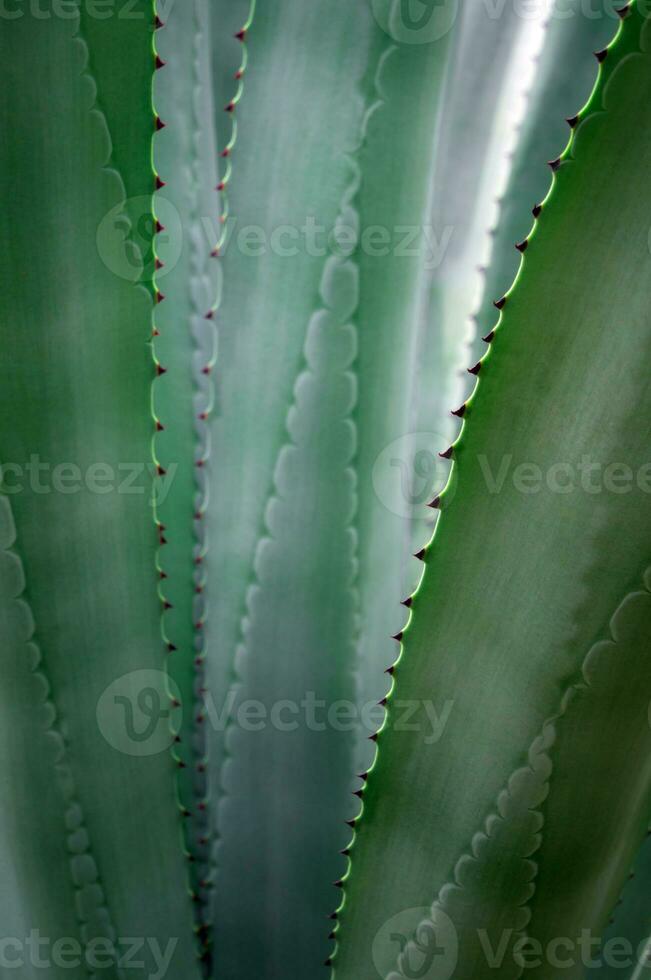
x=537 y=914
x=482 y=912
x=604 y=725
x=630 y=923
x=76 y=403
x=490 y=69
x=124 y=37
x=431 y=146
x=575 y=388
x=573 y=34
x=185 y=153
x=403 y=87
x=288 y=780
x=275 y=186
x=291 y=175
x=295 y=492
x=38 y=890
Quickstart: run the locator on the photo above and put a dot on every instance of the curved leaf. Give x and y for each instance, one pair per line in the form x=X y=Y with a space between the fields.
x=576 y=389
x=76 y=427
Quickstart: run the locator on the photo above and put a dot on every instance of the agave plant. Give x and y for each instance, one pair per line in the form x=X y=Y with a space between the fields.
x=275 y=620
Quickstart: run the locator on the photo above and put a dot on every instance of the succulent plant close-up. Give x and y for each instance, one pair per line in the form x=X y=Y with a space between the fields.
x=325 y=467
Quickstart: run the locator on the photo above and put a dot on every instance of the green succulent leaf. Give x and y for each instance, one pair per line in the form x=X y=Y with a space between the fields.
x=627 y=939
x=432 y=146
x=280 y=580
x=38 y=888
x=535 y=497
x=289 y=776
x=272 y=280
x=187 y=206
x=604 y=724
x=75 y=443
x=574 y=32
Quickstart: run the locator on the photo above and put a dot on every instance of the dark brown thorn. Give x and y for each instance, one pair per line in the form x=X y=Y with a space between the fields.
x=351 y=823
x=383 y=702
x=159 y=296
x=159 y=427
x=160 y=370
x=167 y=605
x=536 y=209
x=373 y=737
x=475 y=369
x=159 y=227
x=623 y=11
x=220 y=186
x=357 y=793
x=420 y=554
x=158 y=23
x=363 y=776
x=460 y=411
x=338 y=883
x=397 y=636
x=489 y=337
x=159 y=183
x=226 y=152
x=555 y=164
x=522 y=246
x=162 y=574
x=159 y=123
x=389 y=670
x=499 y=303
x=572 y=121
x=158 y=264
x=334 y=916
x=436 y=503
x=230 y=107
x=332 y=935
x=447 y=453
x=407 y=602
x=328 y=962
x=171 y=647
x=161 y=472
x=241 y=34
x=601 y=55
x=159 y=62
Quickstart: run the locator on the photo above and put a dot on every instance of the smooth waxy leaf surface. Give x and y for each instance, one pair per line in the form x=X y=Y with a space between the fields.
x=77 y=396
x=562 y=393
